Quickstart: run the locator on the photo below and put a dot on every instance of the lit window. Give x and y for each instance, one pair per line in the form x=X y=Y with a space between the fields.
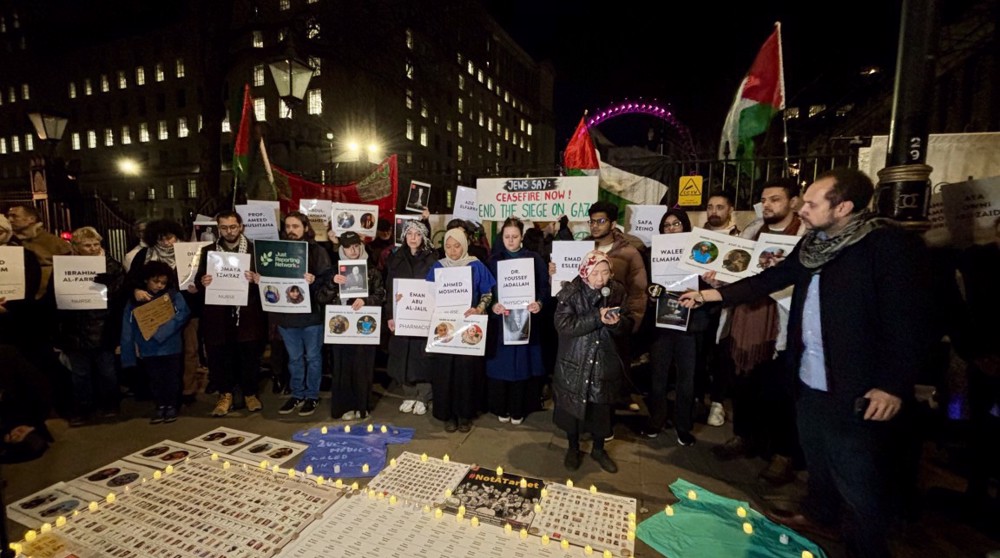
x=75 y=138
x=160 y=74
x=489 y=145
x=15 y=144
x=284 y=5
x=91 y=139
x=311 y=1
x=179 y=66
x=423 y=136
x=72 y=90
x=88 y=89
x=409 y=98
x=259 y=110
x=29 y=142
x=109 y=138
x=459 y=175
x=409 y=70
x=499 y=110
x=25 y=92
x=498 y=149
x=199 y=123
x=170 y=191
x=423 y=108
x=258 y=39
x=182 y=127
x=461 y=105
x=315 y=63
x=143 y=132
x=409 y=39
x=284 y=111
x=313 y=30
x=479 y=76
x=314 y=101
x=122 y=80
x=460 y=153
x=522 y=142
x=105 y=84
x=529 y=147
x=529 y=128
x=489 y=84
x=447 y=124
x=461 y=129
x=162 y=132
x=506 y=134
x=471 y=68
x=481 y=119
x=461 y=82
x=506 y=97
x=140 y=75
x=225 y=125
x=151 y=193
x=12 y=94
x=192 y=188
x=489 y=123
x=409 y=129
x=126 y=136
x=258 y=75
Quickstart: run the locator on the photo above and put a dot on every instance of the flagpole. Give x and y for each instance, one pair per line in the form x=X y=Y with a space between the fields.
x=784 y=139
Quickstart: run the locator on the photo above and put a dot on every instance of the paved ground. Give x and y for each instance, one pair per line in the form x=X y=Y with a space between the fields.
x=534 y=448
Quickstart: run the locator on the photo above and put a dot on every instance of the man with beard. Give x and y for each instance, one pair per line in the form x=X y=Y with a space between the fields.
x=719 y=213
x=763 y=407
x=234 y=335
x=858 y=334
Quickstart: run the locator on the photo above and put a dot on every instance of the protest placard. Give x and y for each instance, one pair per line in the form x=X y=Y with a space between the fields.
x=260 y=220
x=728 y=256
x=466 y=206
x=400 y=223
x=516 y=281
x=455 y=334
x=414 y=307
x=541 y=199
x=453 y=287
x=567 y=255
x=356 y=273
x=665 y=259
x=187 y=255
x=360 y=218
x=153 y=314
x=643 y=221
x=318 y=212
x=12 y=272
x=347 y=326
x=73 y=280
x=229 y=283
x=282 y=265
x=419 y=196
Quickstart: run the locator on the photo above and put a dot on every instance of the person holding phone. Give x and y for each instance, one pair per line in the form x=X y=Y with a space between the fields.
x=589 y=369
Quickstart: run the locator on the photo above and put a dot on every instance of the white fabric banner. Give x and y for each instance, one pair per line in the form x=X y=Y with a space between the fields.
x=643 y=221
x=414 y=306
x=360 y=218
x=12 y=272
x=453 y=287
x=73 y=279
x=539 y=199
x=347 y=326
x=728 y=256
x=516 y=282
x=466 y=206
x=665 y=259
x=454 y=334
x=567 y=255
x=188 y=256
x=229 y=283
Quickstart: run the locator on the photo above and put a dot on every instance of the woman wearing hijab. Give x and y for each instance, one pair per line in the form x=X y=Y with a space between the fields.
x=457 y=379
x=353 y=368
x=511 y=368
x=408 y=363
x=591 y=319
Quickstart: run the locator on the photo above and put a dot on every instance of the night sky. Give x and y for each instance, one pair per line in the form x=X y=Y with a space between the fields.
x=693 y=55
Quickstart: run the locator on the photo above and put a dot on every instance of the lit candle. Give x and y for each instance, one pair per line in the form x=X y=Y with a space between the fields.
x=110 y=498
x=447 y=493
x=741 y=511
x=423 y=457
x=459 y=518
x=371 y=428
x=354 y=485
x=630 y=535
x=569 y=483
x=291 y=473
x=309 y=469
x=319 y=480
x=347 y=428
x=336 y=469
x=631 y=516
x=263 y=464
x=461 y=509
x=157 y=475
x=807 y=554
x=427 y=509
x=380 y=495
x=438 y=513
x=46 y=527
x=545 y=539
x=545 y=493
x=475 y=521
x=371 y=494
x=392 y=462
x=169 y=469
x=564 y=544
x=392 y=500
x=747 y=528
x=339 y=483
x=446 y=458
x=499 y=471
x=323 y=430
x=507 y=528
x=588 y=550
x=225 y=465
x=538 y=508
x=60 y=521
x=364 y=468
x=275 y=469
x=593 y=489
x=607 y=554
x=16 y=547
x=692 y=495
x=524 y=483
x=92 y=507
x=30 y=535
x=383 y=430
x=669 y=510
x=215 y=456
x=524 y=533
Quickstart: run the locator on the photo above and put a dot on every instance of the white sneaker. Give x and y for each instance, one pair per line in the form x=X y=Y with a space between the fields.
x=407 y=406
x=716 y=415
x=503 y=419
x=351 y=415
x=516 y=422
x=419 y=408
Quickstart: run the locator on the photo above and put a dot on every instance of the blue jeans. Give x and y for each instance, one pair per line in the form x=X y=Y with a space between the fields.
x=305 y=359
x=94 y=367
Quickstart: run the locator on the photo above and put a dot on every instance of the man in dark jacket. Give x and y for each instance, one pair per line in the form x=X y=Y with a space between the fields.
x=857 y=336
x=234 y=335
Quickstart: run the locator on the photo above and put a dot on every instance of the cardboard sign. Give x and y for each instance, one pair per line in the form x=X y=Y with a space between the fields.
x=466 y=206
x=318 y=212
x=643 y=221
x=188 y=255
x=12 y=283
x=73 y=279
x=540 y=199
x=229 y=283
x=360 y=218
x=455 y=334
x=567 y=255
x=413 y=309
x=347 y=326
x=150 y=316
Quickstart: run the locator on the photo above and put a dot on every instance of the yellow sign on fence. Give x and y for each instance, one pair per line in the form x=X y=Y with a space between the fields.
x=689 y=191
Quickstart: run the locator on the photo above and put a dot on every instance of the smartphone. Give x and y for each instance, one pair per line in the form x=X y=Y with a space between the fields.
x=861 y=406
x=614 y=311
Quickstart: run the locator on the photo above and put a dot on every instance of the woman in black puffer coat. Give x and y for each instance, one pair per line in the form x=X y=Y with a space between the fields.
x=589 y=370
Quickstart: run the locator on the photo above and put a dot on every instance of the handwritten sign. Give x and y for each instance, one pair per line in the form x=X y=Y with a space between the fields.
x=412 y=312
x=260 y=222
x=12 y=272
x=516 y=281
x=360 y=218
x=229 y=284
x=665 y=259
x=643 y=221
x=318 y=212
x=567 y=255
x=347 y=326
x=73 y=279
x=188 y=256
x=153 y=314
x=466 y=206
x=969 y=210
x=542 y=199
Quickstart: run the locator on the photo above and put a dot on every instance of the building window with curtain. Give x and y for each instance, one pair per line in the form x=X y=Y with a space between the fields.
x=314 y=101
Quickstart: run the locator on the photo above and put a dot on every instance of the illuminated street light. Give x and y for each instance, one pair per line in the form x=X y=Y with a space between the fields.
x=129 y=167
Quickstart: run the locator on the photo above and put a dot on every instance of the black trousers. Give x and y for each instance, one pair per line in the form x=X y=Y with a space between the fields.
x=850 y=462
x=510 y=399
x=457 y=383
x=352 y=375
x=235 y=364
x=672 y=350
x=165 y=374
x=764 y=409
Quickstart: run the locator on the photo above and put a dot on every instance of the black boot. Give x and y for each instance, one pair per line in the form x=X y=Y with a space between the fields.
x=604 y=460
x=573 y=459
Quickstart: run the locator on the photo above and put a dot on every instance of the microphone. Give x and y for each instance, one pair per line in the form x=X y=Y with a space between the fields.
x=605 y=292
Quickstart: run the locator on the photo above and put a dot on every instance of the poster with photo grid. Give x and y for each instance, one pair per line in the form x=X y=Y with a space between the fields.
x=421 y=482
x=166 y=452
x=583 y=518
x=223 y=440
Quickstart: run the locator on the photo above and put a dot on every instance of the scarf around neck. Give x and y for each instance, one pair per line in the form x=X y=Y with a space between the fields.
x=157 y=253
x=815 y=250
x=242 y=246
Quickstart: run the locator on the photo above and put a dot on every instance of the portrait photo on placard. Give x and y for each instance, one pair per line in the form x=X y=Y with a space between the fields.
x=418 y=197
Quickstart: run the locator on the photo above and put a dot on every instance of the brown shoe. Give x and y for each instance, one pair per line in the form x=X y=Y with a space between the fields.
x=779 y=471
x=223 y=405
x=253 y=404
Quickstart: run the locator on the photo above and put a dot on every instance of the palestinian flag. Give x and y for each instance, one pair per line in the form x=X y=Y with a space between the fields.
x=378 y=188
x=628 y=175
x=241 y=147
x=761 y=95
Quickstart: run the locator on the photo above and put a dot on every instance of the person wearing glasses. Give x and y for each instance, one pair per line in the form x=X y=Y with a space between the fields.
x=626 y=261
x=234 y=335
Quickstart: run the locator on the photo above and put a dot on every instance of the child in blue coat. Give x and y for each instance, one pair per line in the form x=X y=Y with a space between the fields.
x=161 y=355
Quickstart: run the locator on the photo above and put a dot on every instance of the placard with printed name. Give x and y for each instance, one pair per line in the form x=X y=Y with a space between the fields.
x=466 y=206
x=188 y=255
x=282 y=265
x=73 y=279
x=413 y=309
x=318 y=212
x=728 y=256
x=229 y=283
x=453 y=287
x=567 y=255
x=12 y=272
x=516 y=281
x=665 y=259
x=260 y=221
x=643 y=221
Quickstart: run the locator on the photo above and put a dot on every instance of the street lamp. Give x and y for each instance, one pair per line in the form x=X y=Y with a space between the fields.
x=49 y=127
x=291 y=77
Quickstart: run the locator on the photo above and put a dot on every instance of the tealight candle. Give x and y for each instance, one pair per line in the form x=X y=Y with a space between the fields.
x=461 y=509
x=427 y=509
x=631 y=516
x=741 y=511
x=392 y=500
x=60 y=521
x=692 y=495
x=630 y=535
x=354 y=485
x=392 y=462
x=446 y=458
x=669 y=510
x=291 y=473
x=371 y=428
x=371 y=494
x=323 y=430
x=807 y=554
x=564 y=544
x=438 y=513
x=607 y=554
x=538 y=508
x=569 y=483
x=215 y=457
x=46 y=527
x=364 y=468
x=475 y=521
x=309 y=469
x=524 y=483
x=507 y=528
x=319 y=480
x=17 y=548
x=110 y=498
x=423 y=457
x=347 y=428
x=524 y=533
x=383 y=430
x=30 y=535
x=92 y=507
x=157 y=475
x=275 y=469
x=225 y=465
x=545 y=493
x=380 y=496
x=459 y=518
x=593 y=489
x=588 y=550
x=263 y=464
x=747 y=528
x=499 y=471
x=169 y=469
x=447 y=493
x=545 y=539
x=339 y=483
